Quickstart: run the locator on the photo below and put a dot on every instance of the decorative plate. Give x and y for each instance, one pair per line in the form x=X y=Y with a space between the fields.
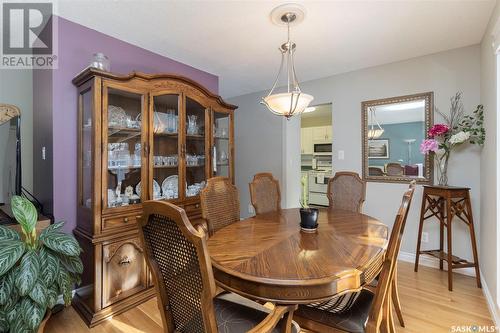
x=156 y=188
x=172 y=182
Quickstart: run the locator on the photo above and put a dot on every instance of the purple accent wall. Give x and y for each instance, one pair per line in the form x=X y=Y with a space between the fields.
x=77 y=44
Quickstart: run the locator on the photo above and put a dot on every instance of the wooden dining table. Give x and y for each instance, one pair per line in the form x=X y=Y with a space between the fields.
x=269 y=258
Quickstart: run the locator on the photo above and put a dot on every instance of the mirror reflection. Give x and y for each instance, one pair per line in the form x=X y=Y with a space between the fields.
x=393 y=130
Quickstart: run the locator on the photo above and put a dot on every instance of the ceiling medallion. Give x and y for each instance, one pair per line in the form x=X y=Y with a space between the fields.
x=293 y=101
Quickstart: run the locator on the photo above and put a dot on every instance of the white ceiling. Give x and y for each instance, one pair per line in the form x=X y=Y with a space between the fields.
x=237 y=41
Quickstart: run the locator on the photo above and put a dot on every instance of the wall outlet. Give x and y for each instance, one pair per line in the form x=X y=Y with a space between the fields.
x=341 y=154
x=251 y=210
x=425 y=237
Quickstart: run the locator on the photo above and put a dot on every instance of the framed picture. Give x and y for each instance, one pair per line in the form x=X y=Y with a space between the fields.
x=378 y=148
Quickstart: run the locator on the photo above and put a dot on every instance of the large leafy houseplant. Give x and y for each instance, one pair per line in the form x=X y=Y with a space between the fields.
x=34 y=270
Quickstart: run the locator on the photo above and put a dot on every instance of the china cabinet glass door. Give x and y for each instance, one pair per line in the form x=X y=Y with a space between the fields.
x=85 y=149
x=123 y=156
x=194 y=151
x=221 y=144
x=164 y=184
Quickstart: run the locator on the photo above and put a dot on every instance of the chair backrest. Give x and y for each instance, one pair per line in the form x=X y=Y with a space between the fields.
x=346 y=190
x=375 y=171
x=394 y=169
x=177 y=255
x=265 y=193
x=382 y=293
x=220 y=204
x=411 y=170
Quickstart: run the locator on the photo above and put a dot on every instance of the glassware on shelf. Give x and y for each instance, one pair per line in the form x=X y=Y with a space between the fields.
x=101 y=62
x=137 y=155
x=221 y=132
x=117 y=117
x=192 y=125
x=195 y=160
x=165 y=122
x=223 y=157
x=195 y=189
x=171 y=121
x=169 y=160
x=118 y=155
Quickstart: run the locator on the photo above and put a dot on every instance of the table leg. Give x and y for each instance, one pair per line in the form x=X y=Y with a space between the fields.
x=420 y=227
x=473 y=239
x=288 y=326
x=441 y=231
x=449 y=217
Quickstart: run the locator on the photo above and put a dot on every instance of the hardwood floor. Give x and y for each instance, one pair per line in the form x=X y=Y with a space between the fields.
x=427 y=305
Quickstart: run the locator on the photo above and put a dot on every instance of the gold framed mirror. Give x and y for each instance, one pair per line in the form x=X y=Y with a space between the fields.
x=393 y=129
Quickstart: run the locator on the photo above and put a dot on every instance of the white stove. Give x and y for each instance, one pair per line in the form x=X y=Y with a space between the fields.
x=318 y=186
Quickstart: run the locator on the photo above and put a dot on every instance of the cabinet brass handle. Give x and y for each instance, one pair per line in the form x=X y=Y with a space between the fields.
x=138 y=217
x=124 y=261
x=125 y=219
x=197 y=206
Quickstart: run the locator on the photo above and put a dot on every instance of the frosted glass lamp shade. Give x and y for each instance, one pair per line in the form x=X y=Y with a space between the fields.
x=375 y=133
x=287 y=104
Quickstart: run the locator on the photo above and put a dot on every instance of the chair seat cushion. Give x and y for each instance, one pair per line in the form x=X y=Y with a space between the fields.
x=353 y=320
x=337 y=304
x=236 y=314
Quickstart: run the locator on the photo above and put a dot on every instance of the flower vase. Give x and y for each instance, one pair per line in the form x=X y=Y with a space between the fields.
x=442 y=168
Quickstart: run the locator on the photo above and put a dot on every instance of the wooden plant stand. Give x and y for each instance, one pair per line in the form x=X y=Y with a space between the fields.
x=445 y=203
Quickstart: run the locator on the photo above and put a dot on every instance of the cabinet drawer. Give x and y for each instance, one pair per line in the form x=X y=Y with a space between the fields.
x=120 y=221
x=193 y=209
x=124 y=271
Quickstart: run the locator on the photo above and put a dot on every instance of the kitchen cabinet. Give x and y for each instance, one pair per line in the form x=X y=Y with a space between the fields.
x=306 y=141
x=321 y=134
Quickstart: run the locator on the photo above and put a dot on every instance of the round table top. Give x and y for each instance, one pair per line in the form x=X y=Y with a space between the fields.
x=268 y=257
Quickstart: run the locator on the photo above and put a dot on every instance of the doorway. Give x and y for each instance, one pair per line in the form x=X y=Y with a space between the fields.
x=316 y=139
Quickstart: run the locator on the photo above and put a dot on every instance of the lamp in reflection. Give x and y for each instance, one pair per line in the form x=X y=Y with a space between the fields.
x=375 y=131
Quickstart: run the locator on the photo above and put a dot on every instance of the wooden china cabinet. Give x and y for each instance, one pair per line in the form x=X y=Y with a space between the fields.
x=140 y=137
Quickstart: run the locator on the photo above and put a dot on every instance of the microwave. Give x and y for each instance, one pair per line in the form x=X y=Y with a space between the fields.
x=323 y=148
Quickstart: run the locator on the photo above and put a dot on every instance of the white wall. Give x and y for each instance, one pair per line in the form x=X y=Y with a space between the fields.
x=16 y=87
x=489 y=162
x=258 y=144
x=258 y=132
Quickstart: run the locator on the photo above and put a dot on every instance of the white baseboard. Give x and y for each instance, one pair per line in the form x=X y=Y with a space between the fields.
x=426 y=260
x=433 y=262
x=495 y=315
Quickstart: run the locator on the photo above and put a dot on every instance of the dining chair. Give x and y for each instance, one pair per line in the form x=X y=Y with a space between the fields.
x=375 y=171
x=220 y=203
x=371 y=312
x=265 y=193
x=394 y=169
x=346 y=190
x=176 y=253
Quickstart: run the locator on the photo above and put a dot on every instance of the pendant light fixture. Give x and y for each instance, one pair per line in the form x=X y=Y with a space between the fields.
x=375 y=131
x=293 y=101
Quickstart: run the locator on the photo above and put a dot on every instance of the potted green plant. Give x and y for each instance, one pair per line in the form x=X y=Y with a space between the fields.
x=34 y=270
x=308 y=215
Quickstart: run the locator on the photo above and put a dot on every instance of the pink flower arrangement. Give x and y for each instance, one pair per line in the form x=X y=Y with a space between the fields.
x=438 y=129
x=429 y=145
